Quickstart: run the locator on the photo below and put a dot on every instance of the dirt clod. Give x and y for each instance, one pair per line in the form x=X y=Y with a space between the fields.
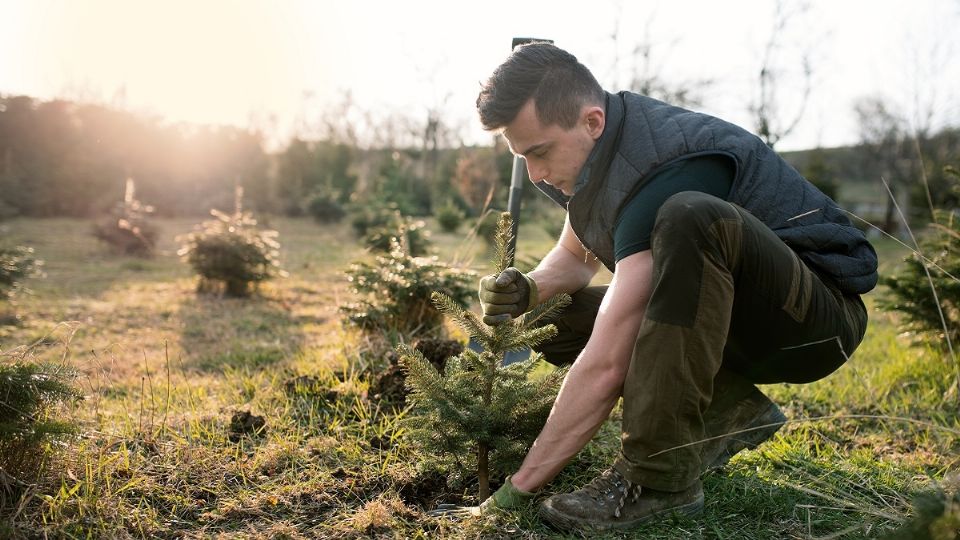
x=438 y=351
x=380 y=443
x=389 y=386
x=244 y=423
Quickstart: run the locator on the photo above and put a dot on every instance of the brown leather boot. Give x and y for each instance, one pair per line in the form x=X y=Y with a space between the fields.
x=610 y=501
x=743 y=424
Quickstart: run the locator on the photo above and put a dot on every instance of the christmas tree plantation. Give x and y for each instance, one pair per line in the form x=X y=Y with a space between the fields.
x=479 y=415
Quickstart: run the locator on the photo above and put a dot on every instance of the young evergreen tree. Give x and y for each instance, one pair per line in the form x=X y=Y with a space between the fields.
x=17 y=263
x=926 y=290
x=31 y=397
x=479 y=414
x=393 y=293
x=127 y=229
x=232 y=253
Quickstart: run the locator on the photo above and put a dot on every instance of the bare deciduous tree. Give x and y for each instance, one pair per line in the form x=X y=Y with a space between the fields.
x=771 y=119
x=642 y=70
x=886 y=152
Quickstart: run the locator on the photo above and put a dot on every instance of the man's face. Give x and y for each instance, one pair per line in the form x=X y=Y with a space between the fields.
x=554 y=154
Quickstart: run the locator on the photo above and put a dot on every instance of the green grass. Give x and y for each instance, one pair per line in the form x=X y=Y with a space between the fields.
x=165 y=370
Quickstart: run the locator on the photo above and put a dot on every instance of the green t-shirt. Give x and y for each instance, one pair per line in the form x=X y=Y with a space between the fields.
x=712 y=174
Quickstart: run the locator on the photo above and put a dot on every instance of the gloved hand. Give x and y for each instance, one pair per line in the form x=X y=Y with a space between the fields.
x=508 y=295
x=507 y=497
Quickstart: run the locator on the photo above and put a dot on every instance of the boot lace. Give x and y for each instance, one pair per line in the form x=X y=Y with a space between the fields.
x=612 y=482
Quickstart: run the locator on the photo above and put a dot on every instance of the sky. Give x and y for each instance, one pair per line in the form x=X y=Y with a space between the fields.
x=282 y=66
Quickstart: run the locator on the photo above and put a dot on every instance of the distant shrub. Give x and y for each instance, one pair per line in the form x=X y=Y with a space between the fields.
x=325 y=207
x=449 y=217
x=910 y=290
x=231 y=254
x=127 y=228
x=31 y=395
x=393 y=293
x=819 y=173
x=373 y=214
x=553 y=227
x=377 y=221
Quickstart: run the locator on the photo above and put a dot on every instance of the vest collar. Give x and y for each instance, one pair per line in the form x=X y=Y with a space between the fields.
x=602 y=152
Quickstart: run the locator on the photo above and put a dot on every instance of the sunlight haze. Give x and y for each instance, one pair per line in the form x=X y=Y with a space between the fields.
x=278 y=66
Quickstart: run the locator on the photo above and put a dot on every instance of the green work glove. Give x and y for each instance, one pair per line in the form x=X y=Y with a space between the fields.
x=507 y=497
x=509 y=294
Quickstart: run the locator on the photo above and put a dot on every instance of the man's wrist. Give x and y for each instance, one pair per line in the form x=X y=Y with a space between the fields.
x=532 y=299
x=510 y=496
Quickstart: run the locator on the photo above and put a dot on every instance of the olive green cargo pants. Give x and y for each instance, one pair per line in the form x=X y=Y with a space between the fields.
x=731 y=306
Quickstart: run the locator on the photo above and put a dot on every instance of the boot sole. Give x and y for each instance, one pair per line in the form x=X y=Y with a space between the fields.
x=567 y=523
x=771 y=420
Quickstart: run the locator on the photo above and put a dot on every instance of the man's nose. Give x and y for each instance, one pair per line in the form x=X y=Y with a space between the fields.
x=536 y=170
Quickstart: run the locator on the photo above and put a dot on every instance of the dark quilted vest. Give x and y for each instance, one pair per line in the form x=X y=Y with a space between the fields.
x=643 y=134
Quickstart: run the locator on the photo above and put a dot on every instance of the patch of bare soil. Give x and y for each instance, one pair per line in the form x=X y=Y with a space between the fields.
x=245 y=423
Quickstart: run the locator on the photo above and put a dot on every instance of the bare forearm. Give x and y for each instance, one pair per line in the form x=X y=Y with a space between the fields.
x=562 y=272
x=595 y=381
x=566 y=432
x=566 y=268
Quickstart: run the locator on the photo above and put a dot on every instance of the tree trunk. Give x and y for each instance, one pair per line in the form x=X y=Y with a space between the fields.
x=483 y=451
x=483 y=471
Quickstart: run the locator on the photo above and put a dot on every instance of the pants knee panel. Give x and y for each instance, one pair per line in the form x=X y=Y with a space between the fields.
x=690 y=213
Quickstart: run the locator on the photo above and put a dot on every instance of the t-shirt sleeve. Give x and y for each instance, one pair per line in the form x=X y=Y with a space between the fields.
x=712 y=174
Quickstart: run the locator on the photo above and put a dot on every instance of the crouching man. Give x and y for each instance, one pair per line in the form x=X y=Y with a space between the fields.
x=729 y=269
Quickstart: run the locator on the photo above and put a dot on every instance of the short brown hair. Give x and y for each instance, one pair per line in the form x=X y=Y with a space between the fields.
x=557 y=82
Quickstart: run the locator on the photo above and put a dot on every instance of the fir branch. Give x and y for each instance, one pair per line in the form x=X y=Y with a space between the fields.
x=467 y=320
x=473 y=362
x=422 y=377
x=546 y=310
x=546 y=388
x=531 y=338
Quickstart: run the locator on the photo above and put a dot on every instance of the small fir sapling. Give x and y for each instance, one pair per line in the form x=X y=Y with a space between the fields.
x=925 y=290
x=232 y=253
x=17 y=263
x=449 y=217
x=127 y=229
x=393 y=293
x=33 y=398
x=478 y=414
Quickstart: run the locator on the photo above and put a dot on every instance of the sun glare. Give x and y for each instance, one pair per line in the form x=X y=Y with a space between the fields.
x=206 y=62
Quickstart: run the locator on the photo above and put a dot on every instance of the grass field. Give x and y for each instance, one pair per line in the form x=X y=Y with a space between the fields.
x=164 y=371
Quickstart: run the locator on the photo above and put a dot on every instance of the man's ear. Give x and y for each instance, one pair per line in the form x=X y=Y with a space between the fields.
x=595 y=119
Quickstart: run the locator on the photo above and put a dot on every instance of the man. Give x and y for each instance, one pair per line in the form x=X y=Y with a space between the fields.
x=729 y=269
